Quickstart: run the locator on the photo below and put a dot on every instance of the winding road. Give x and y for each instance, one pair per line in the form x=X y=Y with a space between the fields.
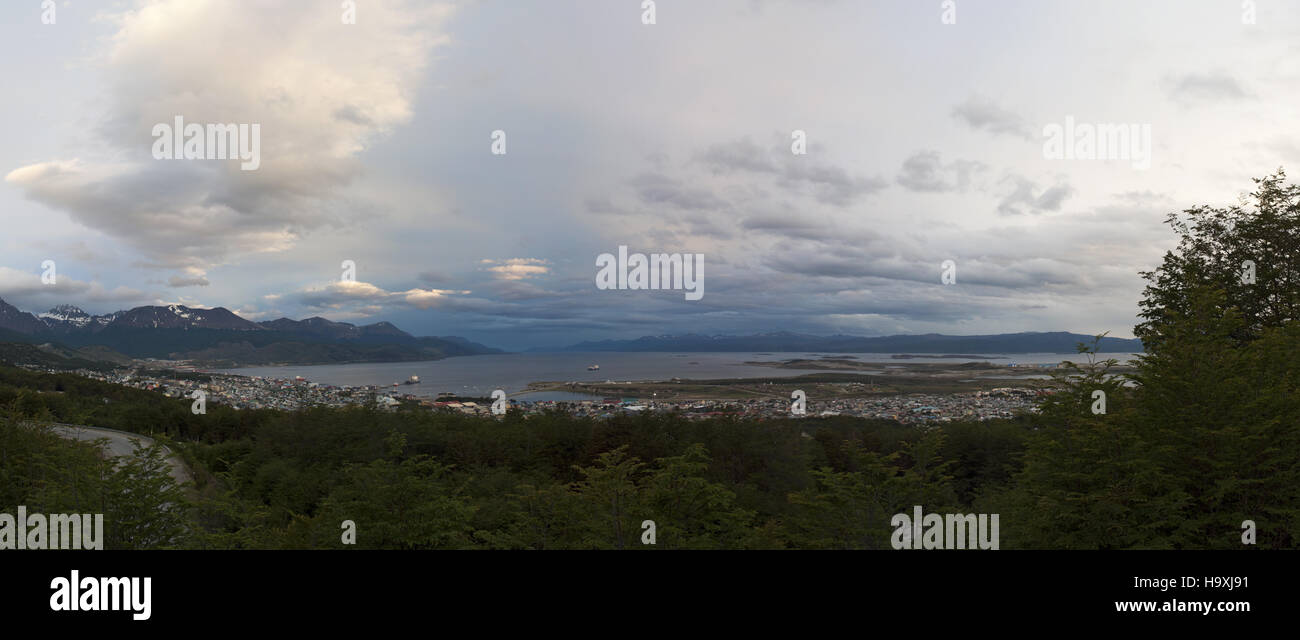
x=120 y=444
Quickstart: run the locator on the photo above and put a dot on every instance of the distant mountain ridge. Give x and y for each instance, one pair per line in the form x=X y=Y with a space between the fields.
x=14 y=320
x=1026 y=342
x=181 y=317
x=220 y=337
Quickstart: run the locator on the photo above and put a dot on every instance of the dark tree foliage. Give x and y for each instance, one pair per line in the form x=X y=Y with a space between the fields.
x=1205 y=438
x=142 y=507
x=1217 y=247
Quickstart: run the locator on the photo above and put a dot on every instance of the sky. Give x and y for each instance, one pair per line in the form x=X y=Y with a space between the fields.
x=924 y=124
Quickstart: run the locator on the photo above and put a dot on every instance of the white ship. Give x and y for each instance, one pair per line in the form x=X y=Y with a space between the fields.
x=594 y=367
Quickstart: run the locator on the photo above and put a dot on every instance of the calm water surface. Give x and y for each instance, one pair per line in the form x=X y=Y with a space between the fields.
x=479 y=375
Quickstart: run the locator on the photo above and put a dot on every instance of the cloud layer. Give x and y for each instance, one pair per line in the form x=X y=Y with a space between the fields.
x=924 y=144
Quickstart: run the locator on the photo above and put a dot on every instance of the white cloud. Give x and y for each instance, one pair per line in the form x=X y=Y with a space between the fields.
x=321 y=91
x=355 y=297
x=517 y=268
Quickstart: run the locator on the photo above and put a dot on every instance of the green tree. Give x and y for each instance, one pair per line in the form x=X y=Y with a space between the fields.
x=1216 y=247
x=609 y=489
x=1206 y=438
x=416 y=503
x=548 y=516
x=852 y=509
x=143 y=506
x=1223 y=416
x=688 y=510
x=1090 y=480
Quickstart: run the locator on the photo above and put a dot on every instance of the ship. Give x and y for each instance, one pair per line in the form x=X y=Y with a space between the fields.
x=594 y=367
x=412 y=380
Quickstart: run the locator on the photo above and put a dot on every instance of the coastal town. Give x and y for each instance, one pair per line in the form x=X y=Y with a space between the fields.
x=255 y=392
x=905 y=408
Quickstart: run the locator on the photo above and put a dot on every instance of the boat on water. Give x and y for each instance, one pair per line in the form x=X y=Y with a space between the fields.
x=594 y=367
x=412 y=380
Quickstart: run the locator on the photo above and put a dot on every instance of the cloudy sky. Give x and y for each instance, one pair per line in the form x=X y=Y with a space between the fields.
x=925 y=143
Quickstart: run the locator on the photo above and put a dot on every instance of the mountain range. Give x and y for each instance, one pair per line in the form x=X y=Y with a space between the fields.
x=218 y=337
x=931 y=343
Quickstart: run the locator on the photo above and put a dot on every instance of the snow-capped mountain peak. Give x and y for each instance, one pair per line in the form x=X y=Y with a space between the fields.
x=67 y=313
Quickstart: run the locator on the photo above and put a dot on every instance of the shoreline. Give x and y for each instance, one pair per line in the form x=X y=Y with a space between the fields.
x=827 y=377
